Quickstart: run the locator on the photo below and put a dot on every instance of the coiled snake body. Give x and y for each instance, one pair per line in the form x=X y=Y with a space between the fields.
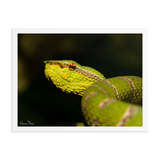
x=105 y=102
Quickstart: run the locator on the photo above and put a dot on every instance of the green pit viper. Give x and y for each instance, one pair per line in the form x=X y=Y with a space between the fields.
x=104 y=102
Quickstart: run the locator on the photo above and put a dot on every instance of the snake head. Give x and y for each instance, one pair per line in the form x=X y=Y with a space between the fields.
x=71 y=77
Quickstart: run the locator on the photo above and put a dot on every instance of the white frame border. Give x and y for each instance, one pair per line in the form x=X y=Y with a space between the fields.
x=146 y=49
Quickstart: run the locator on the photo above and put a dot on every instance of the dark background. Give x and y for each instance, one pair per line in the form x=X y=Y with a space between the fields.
x=38 y=103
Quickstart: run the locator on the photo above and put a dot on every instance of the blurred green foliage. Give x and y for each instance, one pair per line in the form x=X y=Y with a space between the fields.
x=111 y=54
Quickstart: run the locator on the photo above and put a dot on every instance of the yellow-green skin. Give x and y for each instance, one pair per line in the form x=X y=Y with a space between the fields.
x=103 y=109
x=103 y=99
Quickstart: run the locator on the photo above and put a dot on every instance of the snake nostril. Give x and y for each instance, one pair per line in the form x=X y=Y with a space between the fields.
x=51 y=63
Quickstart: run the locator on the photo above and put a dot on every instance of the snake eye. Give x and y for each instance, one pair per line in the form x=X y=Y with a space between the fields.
x=72 y=66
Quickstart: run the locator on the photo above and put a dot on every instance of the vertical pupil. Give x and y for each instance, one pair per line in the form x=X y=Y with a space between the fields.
x=71 y=65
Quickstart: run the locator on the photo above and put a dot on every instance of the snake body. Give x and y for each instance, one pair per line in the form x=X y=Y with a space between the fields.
x=105 y=102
